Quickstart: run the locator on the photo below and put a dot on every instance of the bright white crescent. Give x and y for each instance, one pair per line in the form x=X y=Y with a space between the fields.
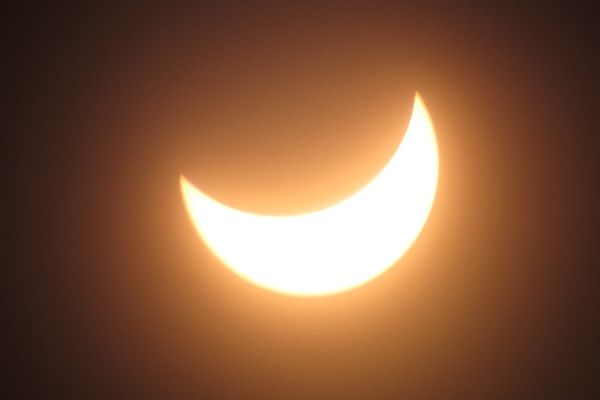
x=335 y=248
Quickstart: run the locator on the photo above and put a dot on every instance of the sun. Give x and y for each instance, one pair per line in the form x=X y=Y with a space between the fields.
x=336 y=248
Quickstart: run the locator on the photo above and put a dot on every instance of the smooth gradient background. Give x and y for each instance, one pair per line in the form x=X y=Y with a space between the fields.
x=284 y=109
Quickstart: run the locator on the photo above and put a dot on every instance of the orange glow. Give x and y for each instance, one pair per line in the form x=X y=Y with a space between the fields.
x=336 y=248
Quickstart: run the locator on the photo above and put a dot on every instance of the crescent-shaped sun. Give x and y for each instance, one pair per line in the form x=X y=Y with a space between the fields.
x=336 y=248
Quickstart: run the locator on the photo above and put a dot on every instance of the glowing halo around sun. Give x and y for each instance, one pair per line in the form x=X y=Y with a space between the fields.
x=333 y=249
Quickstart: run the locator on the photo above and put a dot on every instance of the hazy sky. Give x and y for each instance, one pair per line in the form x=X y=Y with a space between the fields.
x=282 y=109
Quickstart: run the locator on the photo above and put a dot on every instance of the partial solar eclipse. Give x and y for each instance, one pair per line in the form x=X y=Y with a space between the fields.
x=333 y=249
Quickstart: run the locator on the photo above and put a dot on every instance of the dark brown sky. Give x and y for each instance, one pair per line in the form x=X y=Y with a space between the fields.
x=281 y=109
